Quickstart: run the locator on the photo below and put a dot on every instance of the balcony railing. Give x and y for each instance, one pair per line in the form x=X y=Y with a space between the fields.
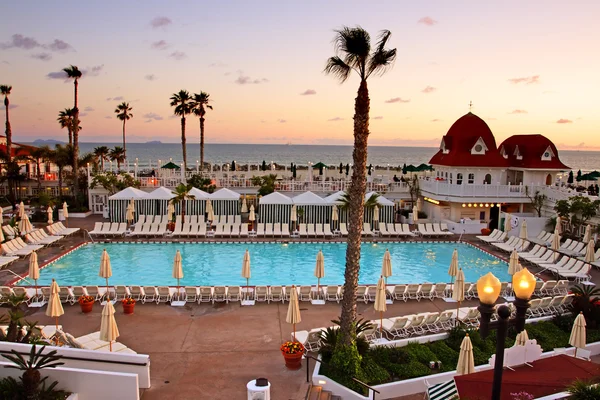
x=466 y=190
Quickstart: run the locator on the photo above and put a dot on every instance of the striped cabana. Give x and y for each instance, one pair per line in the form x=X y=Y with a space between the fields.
x=315 y=210
x=161 y=197
x=118 y=203
x=197 y=206
x=275 y=207
x=225 y=202
x=386 y=209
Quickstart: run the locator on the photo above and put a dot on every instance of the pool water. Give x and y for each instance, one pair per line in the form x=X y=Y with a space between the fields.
x=271 y=263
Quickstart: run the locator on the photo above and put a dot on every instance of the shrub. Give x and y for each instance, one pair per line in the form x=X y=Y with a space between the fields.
x=445 y=354
x=422 y=353
x=548 y=335
x=346 y=364
x=372 y=373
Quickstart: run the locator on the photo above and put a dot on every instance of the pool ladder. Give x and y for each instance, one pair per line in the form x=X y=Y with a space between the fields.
x=90 y=236
x=461 y=235
x=16 y=275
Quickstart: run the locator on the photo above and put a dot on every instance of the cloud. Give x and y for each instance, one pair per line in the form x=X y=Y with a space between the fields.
x=108 y=117
x=246 y=80
x=427 y=21
x=178 y=55
x=429 y=89
x=282 y=121
x=118 y=98
x=151 y=116
x=88 y=109
x=217 y=65
x=20 y=42
x=93 y=71
x=397 y=100
x=160 y=22
x=564 y=121
x=11 y=106
x=308 y=92
x=517 y=111
x=377 y=117
x=83 y=114
x=42 y=56
x=160 y=45
x=59 y=45
x=436 y=120
x=335 y=119
x=57 y=75
x=528 y=80
x=150 y=77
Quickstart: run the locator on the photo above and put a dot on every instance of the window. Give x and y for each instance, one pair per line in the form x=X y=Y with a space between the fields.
x=488 y=179
x=450 y=177
x=478 y=148
x=549 y=180
x=446 y=175
x=459 y=179
x=471 y=179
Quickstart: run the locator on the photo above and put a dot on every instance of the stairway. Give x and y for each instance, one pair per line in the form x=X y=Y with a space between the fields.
x=317 y=393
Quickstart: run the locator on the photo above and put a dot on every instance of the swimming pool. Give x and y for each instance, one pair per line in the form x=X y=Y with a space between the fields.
x=271 y=263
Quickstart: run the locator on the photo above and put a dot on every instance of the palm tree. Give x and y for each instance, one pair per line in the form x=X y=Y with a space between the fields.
x=200 y=102
x=39 y=155
x=101 y=153
x=65 y=120
x=5 y=91
x=61 y=156
x=353 y=48
x=32 y=366
x=123 y=112
x=370 y=203
x=182 y=193
x=117 y=154
x=183 y=104
x=74 y=73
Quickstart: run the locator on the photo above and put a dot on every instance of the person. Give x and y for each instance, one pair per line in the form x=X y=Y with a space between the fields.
x=153 y=173
x=396 y=178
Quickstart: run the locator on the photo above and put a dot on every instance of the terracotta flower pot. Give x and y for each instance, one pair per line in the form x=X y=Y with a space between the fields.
x=293 y=361
x=486 y=231
x=86 y=307
x=128 y=308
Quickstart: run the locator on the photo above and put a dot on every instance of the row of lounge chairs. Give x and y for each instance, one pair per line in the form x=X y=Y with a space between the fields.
x=40 y=237
x=560 y=265
x=399 y=230
x=56 y=229
x=225 y=219
x=108 y=229
x=91 y=341
x=17 y=247
x=513 y=243
x=434 y=230
x=573 y=248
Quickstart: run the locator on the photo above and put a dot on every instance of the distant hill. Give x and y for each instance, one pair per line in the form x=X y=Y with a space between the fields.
x=154 y=142
x=42 y=142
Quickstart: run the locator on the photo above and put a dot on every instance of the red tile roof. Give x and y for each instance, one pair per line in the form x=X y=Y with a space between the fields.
x=531 y=150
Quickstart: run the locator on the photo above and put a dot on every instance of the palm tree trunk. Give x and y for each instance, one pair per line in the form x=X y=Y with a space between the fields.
x=201 y=143
x=60 y=171
x=356 y=213
x=124 y=147
x=8 y=131
x=76 y=149
x=70 y=131
x=39 y=176
x=183 y=148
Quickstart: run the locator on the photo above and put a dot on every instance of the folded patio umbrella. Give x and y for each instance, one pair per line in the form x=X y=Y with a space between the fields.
x=590 y=254
x=129 y=214
x=55 y=308
x=588 y=233
x=65 y=212
x=458 y=293
x=453 y=269
x=558 y=225
x=522 y=338
x=319 y=269
x=177 y=269
x=293 y=315
x=34 y=270
x=415 y=214
x=109 y=332
x=466 y=361
x=132 y=205
x=523 y=232
x=419 y=204
x=577 y=338
x=105 y=270
x=49 y=211
x=507 y=222
x=386 y=265
x=555 y=244
x=244 y=205
x=21 y=209
x=380 y=304
x=170 y=211
x=513 y=264
x=25 y=225
x=246 y=271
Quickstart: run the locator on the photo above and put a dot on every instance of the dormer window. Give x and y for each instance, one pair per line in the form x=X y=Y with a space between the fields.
x=479 y=148
x=443 y=147
x=503 y=152
x=548 y=154
x=517 y=153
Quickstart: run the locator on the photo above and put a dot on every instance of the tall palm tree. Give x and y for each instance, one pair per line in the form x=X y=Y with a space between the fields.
x=65 y=120
x=183 y=103
x=200 y=105
x=101 y=153
x=74 y=73
x=117 y=154
x=123 y=112
x=5 y=91
x=353 y=53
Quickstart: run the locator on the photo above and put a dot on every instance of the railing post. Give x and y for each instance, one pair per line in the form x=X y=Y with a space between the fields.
x=307 y=369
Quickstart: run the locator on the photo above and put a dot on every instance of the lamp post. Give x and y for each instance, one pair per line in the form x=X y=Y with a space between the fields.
x=488 y=287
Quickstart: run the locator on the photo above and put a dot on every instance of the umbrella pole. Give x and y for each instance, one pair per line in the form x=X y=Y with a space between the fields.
x=380 y=322
x=56 y=337
x=247 y=288
x=575 y=352
x=457 y=307
x=107 y=292
x=177 y=289
x=36 y=292
x=318 y=282
x=294 y=332
x=110 y=345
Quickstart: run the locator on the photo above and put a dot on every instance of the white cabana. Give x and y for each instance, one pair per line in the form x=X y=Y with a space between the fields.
x=386 y=209
x=195 y=206
x=314 y=208
x=161 y=197
x=225 y=202
x=118 y=203
x=275 y=207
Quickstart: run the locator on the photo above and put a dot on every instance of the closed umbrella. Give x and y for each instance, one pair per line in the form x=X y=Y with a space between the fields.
x=246 y=271
x=294 y=215
x=577 y=338
x=244 y=205
x=523 y=232
x=132 y=205
x=588 y=233
x=415 y=214
x=55 y=308
x=25 y=225
x=380 y=304
x=386 y=265
x=513 y=264
x=21 y=209
x=466 y=361
x=522 y=338
x=129 y=214
x=334 y=214
x=170 y=211
x=458 y=293
x=1 y=234
x=210 y=214
x=453 y=270
x=590 y=254
x=66 y=212
x=293 y=314
x=319 y=269
x=105 y=270
x=507 y=222
x=34 y=270
x=558 y=226
x=49 y=211
x=109 y=332
x=419 y=204
x=555 y=244
x=177 y=270
x=252 y=216
x=376 y=215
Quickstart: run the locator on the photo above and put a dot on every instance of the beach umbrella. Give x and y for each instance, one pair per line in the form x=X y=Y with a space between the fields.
x=347 y=169
x=55 y=308
x=513 y=264
x=415 y=214
x=210 y=215
x=507 y=222
x=341 y=168
x=588 y=233
x=522 y=338
x=380 y=301
x=264 y=165
x=177 y=269
x=233 y=165
x=294 y=171
x=386 y=265
x=334 y=214
x=523 y=232
x=558 y=226
x=466 y=361
x=49 y=211
x=458 y=293
x=555 y=244
x=577 y=338
x=246 y=270
x=105 y=270
x=319 y=269
x=419 y=204
x=590 y=254
x=21 y=209
x=453 y=270
x=129 y=214
x=244 y=205
x=109 y=332
x=34 y=270
x=25 y=224
x=132 y=205
x=294 y=215
x=66 y=212
x=293 y=314
x=170 y=211
x=251 y=215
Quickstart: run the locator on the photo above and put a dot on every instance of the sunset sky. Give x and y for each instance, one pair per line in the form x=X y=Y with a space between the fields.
x=528 y=68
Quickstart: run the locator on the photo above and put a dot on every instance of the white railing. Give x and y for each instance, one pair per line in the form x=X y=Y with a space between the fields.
x=465 y=190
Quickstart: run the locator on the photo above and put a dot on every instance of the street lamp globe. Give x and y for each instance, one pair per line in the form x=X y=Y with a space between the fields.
x=523 y=283
x=488 y=289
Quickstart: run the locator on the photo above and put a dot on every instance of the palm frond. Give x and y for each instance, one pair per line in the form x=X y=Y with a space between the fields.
x=338 y=68
x=5 y=89
x=72 y=72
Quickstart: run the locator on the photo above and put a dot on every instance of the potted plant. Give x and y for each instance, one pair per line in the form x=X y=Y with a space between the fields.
x=128 y=305
x=485 y=231
x=86 y=303
x=292 y=354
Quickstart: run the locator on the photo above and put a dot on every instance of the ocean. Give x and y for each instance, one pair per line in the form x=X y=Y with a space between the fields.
x=302 y=154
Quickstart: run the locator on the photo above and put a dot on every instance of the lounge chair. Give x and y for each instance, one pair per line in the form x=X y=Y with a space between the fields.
x=431 y=322
x=311 y=340
x=366 y=231
x=219 y=294
x=412 y=291
x=277 y=229
x=496 y=239
x=285 y=230
x=362 y=293
x=79 y=291
x=492 y=235
x=406 y=230
x=319 y=230
x=302 y=230
x=310 y=230
x=136 y=292
x=276 y=294
x=260 y=230
x=181 y=229
x=234 y=293
x=261 y=293
x=150 y=294
x=383 y=230
x=332 y=293
x=343 y=229
x=121 y=292
x=190 y=294
x=244 y=230
x=269 y=230
x=205 y=295
x=398 y=327
x=398 y=293
x=439 y=291
x=97 y=229
x=305 y=293
x=417 y=324
x=235 y=230
x=425 y=292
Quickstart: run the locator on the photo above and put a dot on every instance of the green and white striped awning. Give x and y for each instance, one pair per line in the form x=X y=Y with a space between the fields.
x=443 y=391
